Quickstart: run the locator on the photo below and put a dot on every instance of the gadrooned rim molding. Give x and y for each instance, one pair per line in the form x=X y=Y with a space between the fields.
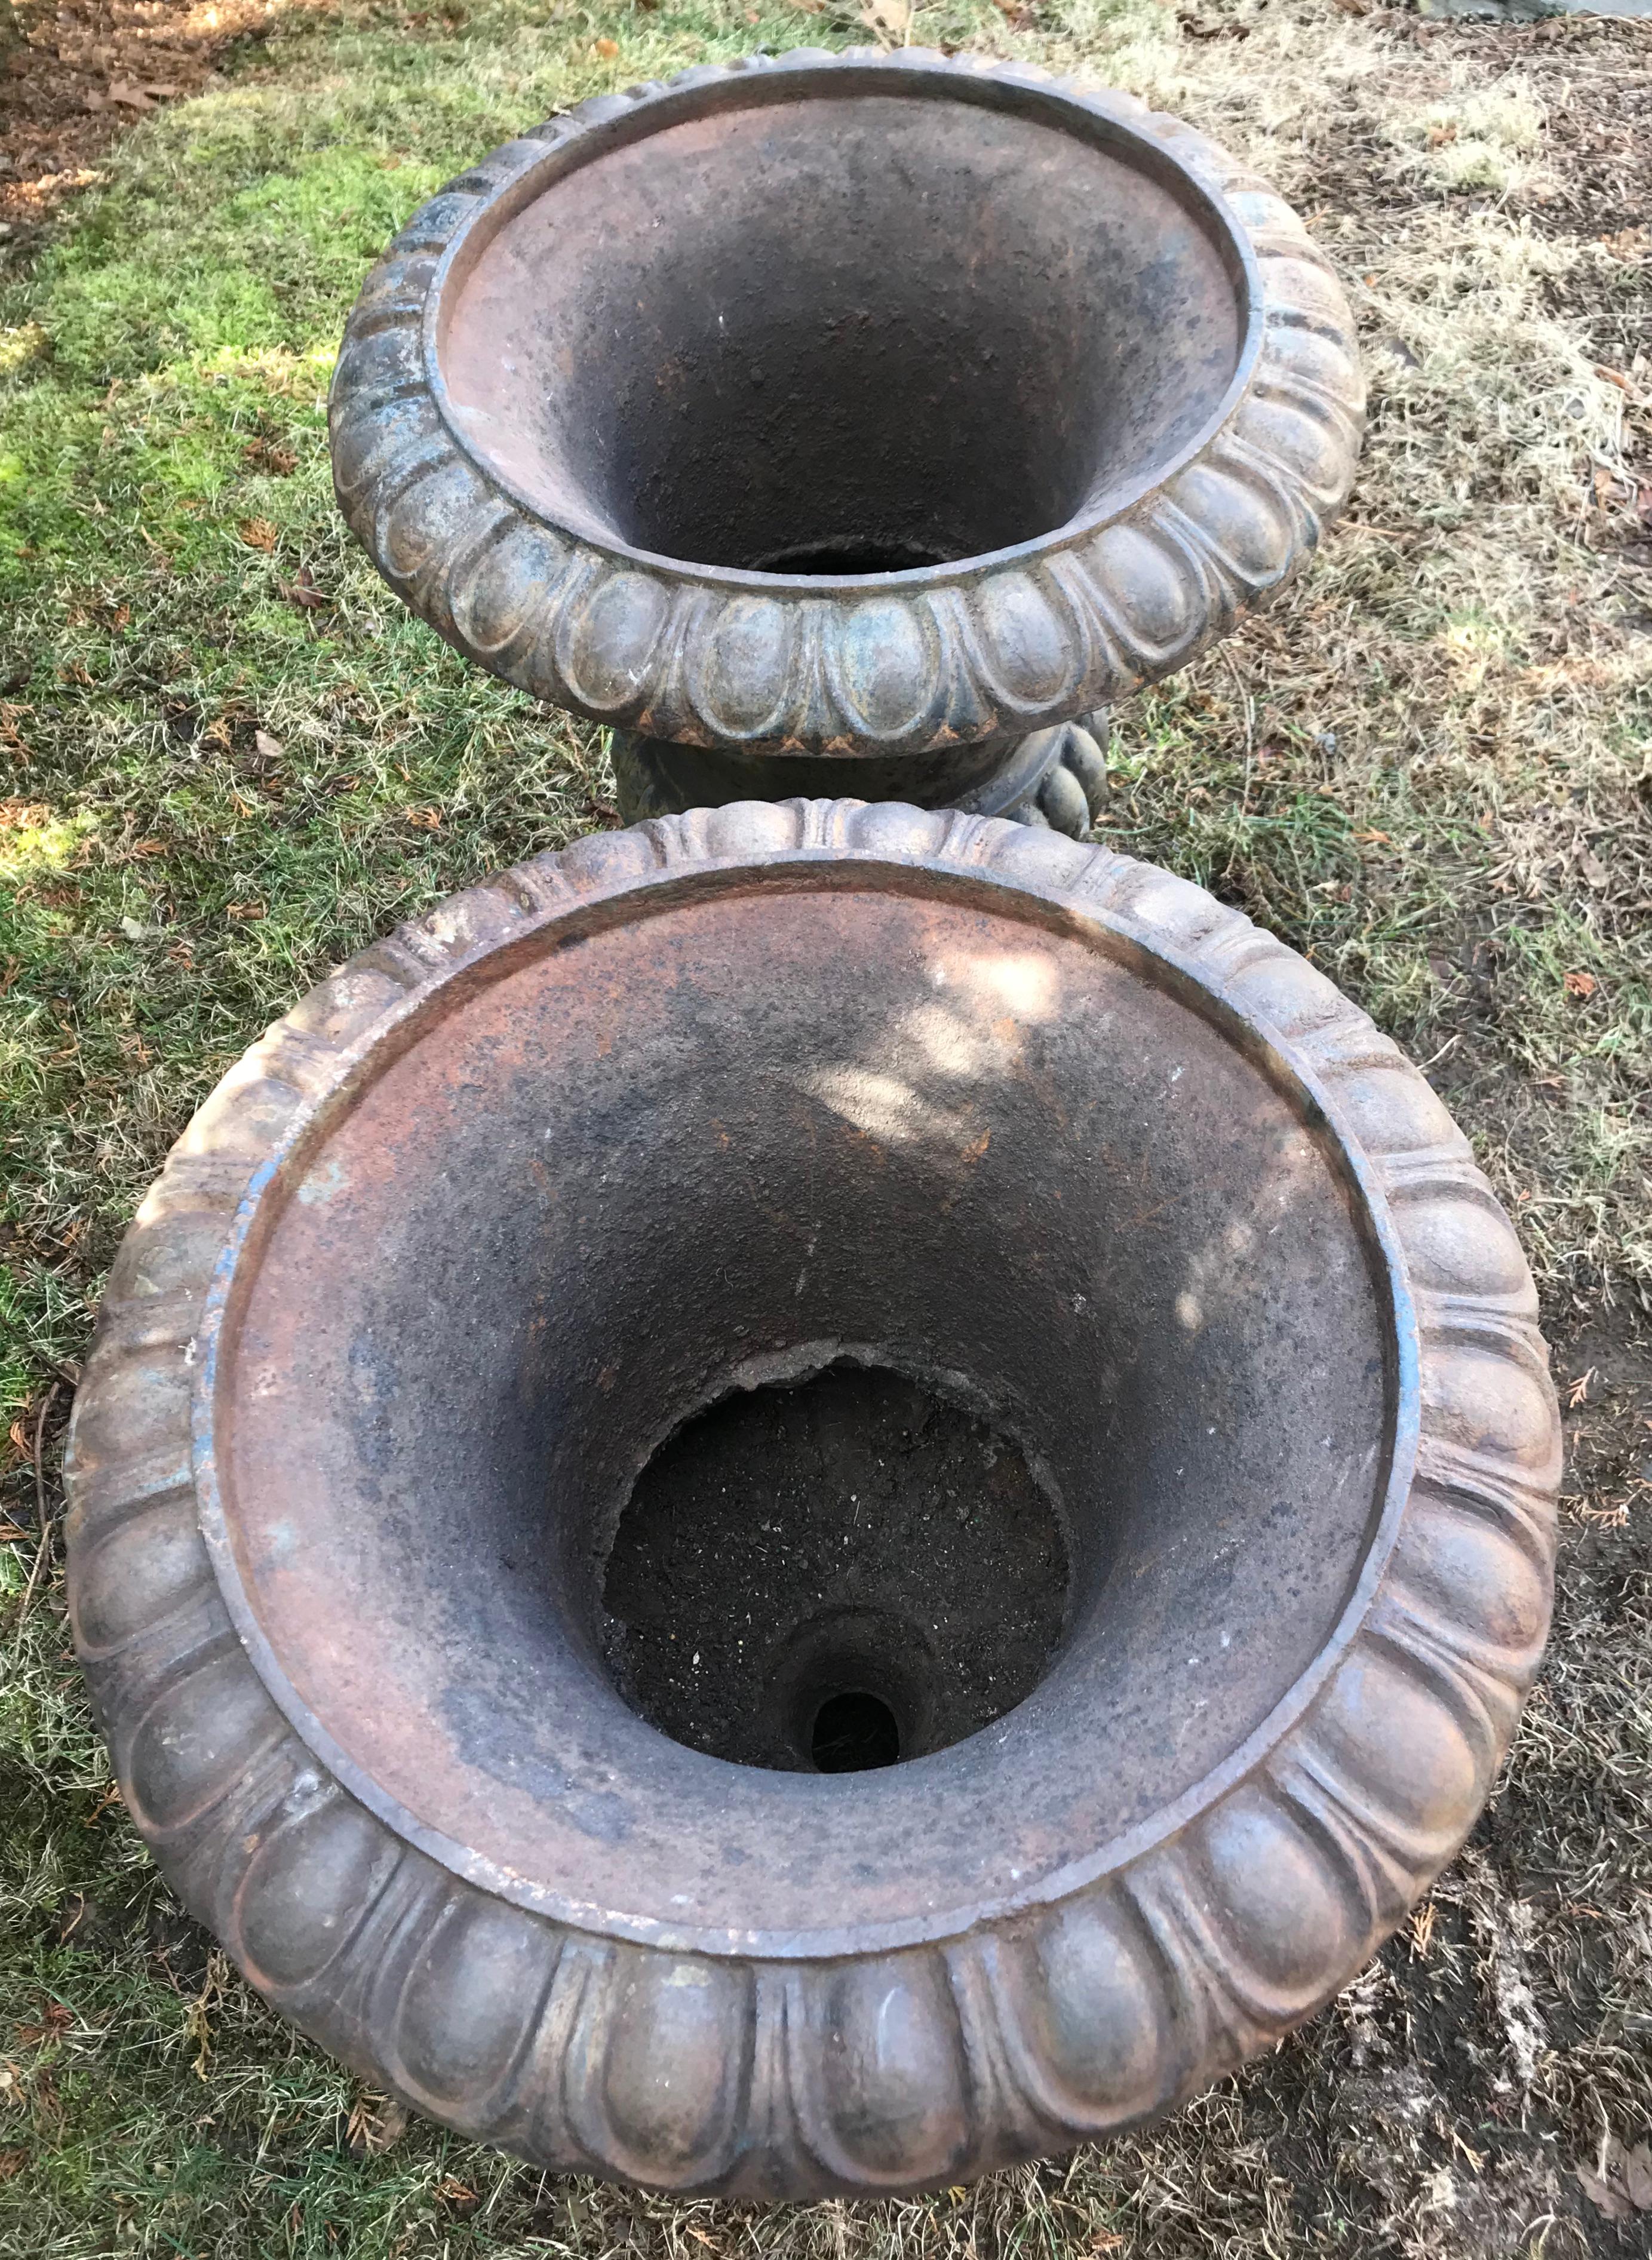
x=1082 y=2016
x=1012 y=642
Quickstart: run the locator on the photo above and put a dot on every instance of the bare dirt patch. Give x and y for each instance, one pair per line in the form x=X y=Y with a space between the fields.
x=72 y=77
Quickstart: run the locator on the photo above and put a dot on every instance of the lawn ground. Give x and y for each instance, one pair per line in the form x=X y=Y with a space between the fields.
x=227 y=759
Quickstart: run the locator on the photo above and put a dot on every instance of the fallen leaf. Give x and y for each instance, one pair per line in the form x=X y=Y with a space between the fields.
x=608 y=49
x=890 y=20
x=1375 y=839
x=1602 y=2195
x=1620 y=2181
x=264 y=455
x=258 y=533
x=129 y=96
x=1441 y=137
x=427 y=820
x=374 y=2123
x=1616 y=376
x=244 y=911
x=1593 y=870
x=1579 y=984
x=54 y=2019
x=267 y=748
x=12 y=2161
x=304 y=593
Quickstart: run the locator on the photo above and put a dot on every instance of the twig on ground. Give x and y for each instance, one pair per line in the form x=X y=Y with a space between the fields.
x=43 y=1518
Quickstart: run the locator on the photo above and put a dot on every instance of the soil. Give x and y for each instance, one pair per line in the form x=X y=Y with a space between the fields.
x=833 y=1576
x=73 y=77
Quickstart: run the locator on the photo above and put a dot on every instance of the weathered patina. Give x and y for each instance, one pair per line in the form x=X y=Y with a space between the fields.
x=848 y=422
x=442 y=1263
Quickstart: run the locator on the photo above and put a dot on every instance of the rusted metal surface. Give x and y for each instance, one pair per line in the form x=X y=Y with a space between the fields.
x=876 y=411
x=711 y=1102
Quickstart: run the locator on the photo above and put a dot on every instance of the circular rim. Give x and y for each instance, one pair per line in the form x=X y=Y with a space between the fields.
x=1085 y=2011
x=987 y=648
x=857 y=70
x=277 y=1177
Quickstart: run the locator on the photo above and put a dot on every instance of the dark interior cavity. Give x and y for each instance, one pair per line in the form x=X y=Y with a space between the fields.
x=833 y=1576
x=852 y=333
x=854 y=1733
x=848 y=556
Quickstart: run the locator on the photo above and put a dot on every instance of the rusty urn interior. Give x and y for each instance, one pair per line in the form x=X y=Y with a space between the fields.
x=836 y=326
x=786 y=1413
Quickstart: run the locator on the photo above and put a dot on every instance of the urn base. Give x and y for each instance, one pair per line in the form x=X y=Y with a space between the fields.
x=1055 y=779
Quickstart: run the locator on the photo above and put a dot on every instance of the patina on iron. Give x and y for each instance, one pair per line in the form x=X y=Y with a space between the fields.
x=1051 y=1136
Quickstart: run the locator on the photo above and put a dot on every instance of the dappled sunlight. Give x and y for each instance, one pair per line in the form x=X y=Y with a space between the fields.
x=1218 y=1267
x=36 y=843
x=936 y=1058
x=78 y=76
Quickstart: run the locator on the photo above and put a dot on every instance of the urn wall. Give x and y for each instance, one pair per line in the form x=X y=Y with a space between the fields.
x=862 y=423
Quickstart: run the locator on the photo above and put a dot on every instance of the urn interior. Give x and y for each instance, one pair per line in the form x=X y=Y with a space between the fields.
x=845 y=331
x=872 y=1122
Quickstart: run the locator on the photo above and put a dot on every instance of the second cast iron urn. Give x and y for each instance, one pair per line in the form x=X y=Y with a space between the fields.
x=847 y=424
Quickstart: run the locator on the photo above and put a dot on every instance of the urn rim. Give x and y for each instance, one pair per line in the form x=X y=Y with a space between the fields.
x=928 y=662
x=922 y=74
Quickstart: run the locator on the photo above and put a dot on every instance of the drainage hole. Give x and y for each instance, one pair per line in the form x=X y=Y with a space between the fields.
x=851 y=1531
x=852 y=1733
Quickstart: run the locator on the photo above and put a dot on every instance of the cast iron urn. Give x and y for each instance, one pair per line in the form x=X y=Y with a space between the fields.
x=813 y=1497
x=861 y=423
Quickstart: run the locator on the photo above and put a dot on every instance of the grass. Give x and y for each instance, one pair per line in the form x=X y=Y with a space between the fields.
x=232 y=759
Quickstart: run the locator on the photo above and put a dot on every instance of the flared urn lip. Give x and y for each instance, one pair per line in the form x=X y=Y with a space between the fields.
x=927 y=659
x=918 y=72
